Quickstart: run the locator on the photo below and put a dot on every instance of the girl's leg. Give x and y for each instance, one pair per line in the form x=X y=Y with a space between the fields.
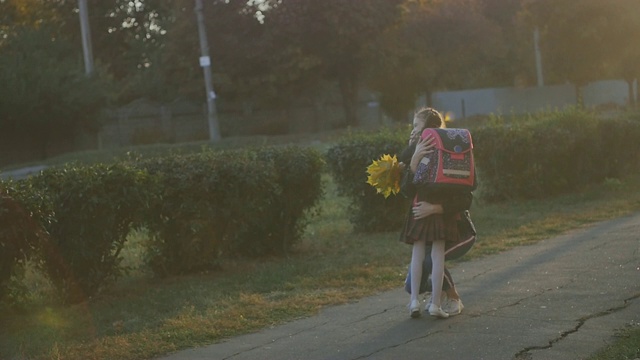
x=448 y=287
x=417 y=258
x=437 y=277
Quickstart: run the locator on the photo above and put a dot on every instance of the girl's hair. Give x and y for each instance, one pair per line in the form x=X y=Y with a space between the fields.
x=432 y=118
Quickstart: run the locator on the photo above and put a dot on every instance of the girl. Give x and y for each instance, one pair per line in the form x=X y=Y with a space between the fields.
x=431 y=222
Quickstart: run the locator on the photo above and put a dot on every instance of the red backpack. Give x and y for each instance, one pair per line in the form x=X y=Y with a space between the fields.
x=450 y=165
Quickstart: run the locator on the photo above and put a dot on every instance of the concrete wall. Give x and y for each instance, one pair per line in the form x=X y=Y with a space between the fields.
x=506 y=101
x=148 y=122
x=461 y=104
x=188 y=122
x=534 y=99
x=607 y=92
x=183 y=122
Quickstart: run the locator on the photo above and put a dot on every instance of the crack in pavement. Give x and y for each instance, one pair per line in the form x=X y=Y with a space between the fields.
x=525 y=354
x=516 y=303
x=365 y=356
x=364 y=318
x=481 y=274
x=519 y=301
x=275 y=340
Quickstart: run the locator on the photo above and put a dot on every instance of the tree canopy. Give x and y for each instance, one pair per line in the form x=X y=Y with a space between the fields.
x=273 y=53
x=44 y=94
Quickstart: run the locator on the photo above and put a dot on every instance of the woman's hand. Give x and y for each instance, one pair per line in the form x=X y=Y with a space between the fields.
x=414 y=137
x=423 y=209
x=423 y=147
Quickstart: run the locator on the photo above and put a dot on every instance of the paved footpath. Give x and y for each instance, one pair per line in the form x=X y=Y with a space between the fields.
x=562 y=298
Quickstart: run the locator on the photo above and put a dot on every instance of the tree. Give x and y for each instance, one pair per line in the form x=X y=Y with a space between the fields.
x=127 y=39
x=464 y=42
x=580 y=39
x=517 y=52
x=18 y=14
x=399 y=74
x=438 y=45
x=624 y=55
x=44 y=95
x=402 y=69
x=237 y=46
x=127 y=36
x=337 y=36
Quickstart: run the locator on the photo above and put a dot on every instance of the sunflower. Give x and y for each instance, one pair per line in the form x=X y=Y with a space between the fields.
x=384 y=175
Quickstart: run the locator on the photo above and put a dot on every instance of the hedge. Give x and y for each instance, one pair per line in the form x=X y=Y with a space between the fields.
x=216 y=205
x=553 y=153
x=197 y=209
x=347 y=162
x=23 y=212
x=94 y=209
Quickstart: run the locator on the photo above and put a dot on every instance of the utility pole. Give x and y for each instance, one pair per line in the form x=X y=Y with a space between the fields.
x=536 y=44
x=86 y=37
x=205 y=62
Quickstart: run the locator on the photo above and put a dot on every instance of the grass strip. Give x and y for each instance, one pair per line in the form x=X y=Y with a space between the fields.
x=142 y=317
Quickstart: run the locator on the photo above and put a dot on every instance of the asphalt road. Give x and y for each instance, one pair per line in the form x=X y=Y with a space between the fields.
x=562 y=298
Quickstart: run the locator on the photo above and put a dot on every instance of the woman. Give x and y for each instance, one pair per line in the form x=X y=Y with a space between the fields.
x=431 y=222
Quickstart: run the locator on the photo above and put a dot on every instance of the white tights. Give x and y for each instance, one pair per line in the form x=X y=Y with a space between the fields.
x=437 y=271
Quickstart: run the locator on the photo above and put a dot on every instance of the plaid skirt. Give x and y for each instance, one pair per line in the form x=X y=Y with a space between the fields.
x=432 y=228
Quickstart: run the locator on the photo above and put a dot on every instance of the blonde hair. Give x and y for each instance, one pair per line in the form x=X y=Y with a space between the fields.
x=431 y=117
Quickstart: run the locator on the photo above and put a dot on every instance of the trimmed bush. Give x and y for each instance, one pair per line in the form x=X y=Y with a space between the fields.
x=95 y=207
x=298 y=178
x=348 y=161
x=552 y=153
x=22 y=211
x=619 y=147
x=205 y=200
x=222 y=204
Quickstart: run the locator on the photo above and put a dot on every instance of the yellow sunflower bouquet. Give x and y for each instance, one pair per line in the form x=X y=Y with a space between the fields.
x=384 y=175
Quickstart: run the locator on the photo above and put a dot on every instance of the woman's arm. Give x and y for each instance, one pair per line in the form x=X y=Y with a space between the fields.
x=423 y=209
x=455 y=204
x=423 y=147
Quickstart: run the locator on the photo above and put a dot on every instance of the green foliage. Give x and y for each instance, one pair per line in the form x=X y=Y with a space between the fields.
x=625 y=347
x=348 y=161
x=205 y=200
x=586 y=40
x=229 y=203
x=44 y=95
x=144 y=136
x=300 y=189
x=553 y=153
x=197 y=208
x=620 y=147
x=22 y=211
x=334 y=37
x=95 y=207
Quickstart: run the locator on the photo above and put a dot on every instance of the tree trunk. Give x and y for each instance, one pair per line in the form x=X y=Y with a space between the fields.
x=349 y=91
x=630 y=93
x=579 y=96
x=428 y=94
